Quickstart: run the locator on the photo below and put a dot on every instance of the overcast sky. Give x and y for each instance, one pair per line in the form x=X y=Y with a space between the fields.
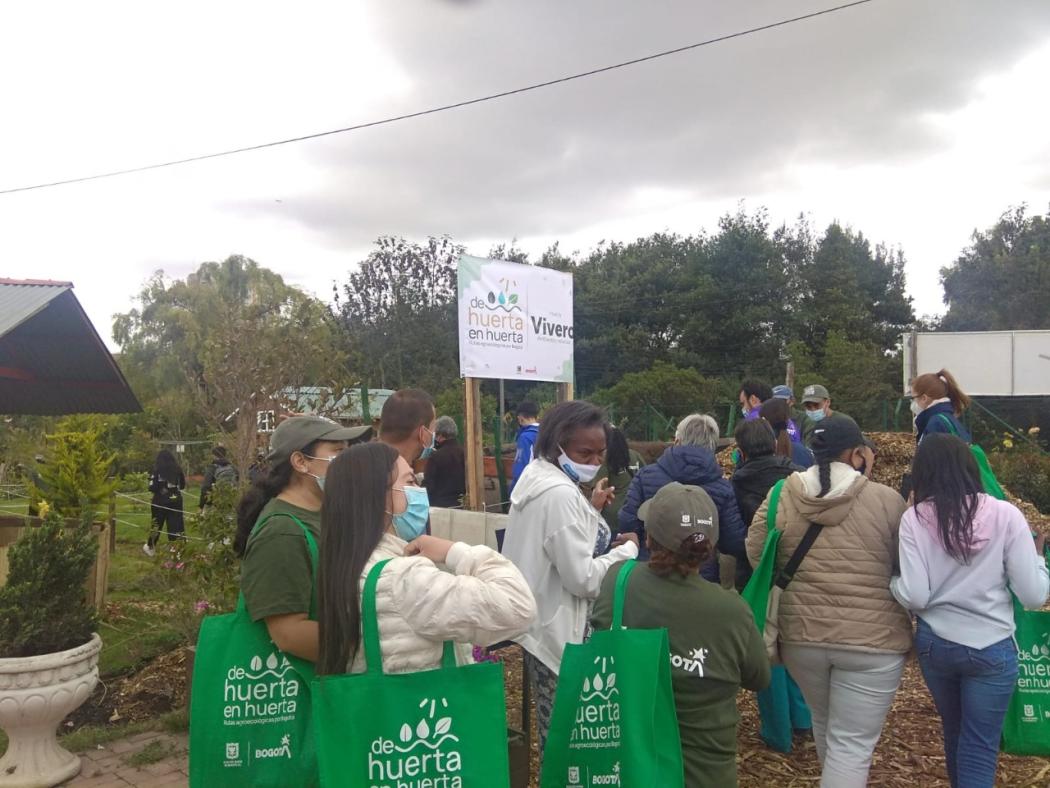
x=914 y=121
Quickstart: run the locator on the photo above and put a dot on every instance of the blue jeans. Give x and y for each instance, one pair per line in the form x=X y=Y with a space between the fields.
x=972 y=689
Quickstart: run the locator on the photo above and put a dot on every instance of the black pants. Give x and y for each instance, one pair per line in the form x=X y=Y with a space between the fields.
x=167 y=513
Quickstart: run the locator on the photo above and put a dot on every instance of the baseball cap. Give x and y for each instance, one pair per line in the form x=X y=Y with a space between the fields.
x=833 y=436
x=815 y=393
x=677 y=512
x=783 y=392
x=298 y=432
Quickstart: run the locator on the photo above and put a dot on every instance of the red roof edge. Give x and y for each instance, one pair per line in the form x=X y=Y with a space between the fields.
x=35 y=282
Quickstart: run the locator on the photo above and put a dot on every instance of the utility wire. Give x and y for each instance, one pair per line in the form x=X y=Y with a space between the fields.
x=445 y=107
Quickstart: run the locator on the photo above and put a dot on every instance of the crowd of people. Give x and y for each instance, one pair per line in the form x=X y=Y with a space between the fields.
x=881 y=573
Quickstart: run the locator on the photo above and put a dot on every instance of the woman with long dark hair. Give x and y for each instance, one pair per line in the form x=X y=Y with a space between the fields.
x=843 y=637
x=777 y=413
x=961 y=554
x=275 y=520
x=620 y=466
x=557 y=538
x=166 y=482
x=373 y=511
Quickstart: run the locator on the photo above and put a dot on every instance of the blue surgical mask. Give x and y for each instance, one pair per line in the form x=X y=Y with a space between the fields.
x=816 y=415
x=412 y=522
x=428 y=450
x=319 y=480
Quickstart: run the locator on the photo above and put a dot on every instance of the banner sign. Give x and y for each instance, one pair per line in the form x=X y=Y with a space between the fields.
x=515 y=321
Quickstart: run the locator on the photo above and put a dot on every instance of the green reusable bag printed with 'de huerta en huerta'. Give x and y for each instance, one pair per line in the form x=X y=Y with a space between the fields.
x=614 y=720
x=442 y=728
x=250 y=720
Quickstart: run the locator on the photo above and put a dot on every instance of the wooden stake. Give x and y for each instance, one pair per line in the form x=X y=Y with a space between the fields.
x=790 y=378
x=475 y=497
x=564 y=392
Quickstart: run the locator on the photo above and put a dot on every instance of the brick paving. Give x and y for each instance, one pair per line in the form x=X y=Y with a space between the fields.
x=107 y=766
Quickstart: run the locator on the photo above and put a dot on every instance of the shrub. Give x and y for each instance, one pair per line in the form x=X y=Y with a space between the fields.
x=1024 y=471
x=76 y=478
x=43 y=606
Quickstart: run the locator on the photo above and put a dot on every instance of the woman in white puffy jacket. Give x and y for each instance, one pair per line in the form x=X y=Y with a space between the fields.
x=432 y=591
x=558 y=539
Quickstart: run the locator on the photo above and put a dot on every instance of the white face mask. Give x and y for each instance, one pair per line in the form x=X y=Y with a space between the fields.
x=576 y=471
x=916 y=408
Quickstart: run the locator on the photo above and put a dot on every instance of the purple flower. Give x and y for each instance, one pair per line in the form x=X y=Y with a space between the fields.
x=480 y=655
x=201 y=606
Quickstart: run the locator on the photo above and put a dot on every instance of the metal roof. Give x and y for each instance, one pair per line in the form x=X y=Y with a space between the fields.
x=52 y=361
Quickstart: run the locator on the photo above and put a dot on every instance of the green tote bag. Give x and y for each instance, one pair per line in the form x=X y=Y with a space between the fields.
x=250 y=706
x=443 y=728
x=988 y=481
x=1026 y=730
x=614 y=719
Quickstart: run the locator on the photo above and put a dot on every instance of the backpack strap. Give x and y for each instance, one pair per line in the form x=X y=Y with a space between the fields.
x=950 y=424
x=774 y=502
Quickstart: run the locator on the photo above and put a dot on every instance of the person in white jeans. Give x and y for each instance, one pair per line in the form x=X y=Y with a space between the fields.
x=849 y=695
x=843 y=637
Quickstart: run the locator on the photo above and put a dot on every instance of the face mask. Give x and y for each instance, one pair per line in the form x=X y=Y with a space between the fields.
x=412 y=522
x=916 y=408
x=737 y=458
x=816 y=415
x=744 y=409
x=319 y=479
x=428 y=450
x=578 y=472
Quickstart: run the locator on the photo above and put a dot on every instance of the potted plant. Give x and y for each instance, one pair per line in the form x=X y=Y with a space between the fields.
x=48 y=645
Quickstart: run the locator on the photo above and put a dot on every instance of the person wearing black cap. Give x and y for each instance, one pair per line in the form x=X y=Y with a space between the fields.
x=843 y=637
x=277 y=573
x=715 y=647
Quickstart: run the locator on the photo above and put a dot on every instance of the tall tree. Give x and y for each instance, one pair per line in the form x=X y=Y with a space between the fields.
x=399 y=313
x=1002 y=280
x=231 y=335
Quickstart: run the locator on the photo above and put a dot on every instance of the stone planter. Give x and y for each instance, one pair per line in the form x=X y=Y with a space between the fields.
x=36 y=694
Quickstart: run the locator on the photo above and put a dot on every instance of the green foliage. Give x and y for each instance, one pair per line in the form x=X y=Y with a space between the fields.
x=398 y=311
x=43 y=607
x=1023 y=470
x=450 y=403
x=664 y=393
x=134 y=483
x=203 y=573
x=1002 y=280
x=76 y=479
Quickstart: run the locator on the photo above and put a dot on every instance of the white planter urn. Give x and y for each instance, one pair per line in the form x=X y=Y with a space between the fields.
x=36 y=694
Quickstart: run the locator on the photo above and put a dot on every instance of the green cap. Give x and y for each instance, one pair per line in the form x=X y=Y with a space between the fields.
x=814 y=393
x=298 y=432
x=678 y=512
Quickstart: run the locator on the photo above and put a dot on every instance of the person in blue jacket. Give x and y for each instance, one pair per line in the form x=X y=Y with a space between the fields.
x=529 y=427
x=938 y=403
x=691 y=461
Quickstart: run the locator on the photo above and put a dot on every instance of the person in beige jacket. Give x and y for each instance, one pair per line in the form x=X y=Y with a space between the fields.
x=432 y=591
x=843 y=637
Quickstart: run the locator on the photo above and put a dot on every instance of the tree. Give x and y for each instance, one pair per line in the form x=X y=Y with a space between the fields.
x=1002 y=280
x=399 y=314
x=231 y=335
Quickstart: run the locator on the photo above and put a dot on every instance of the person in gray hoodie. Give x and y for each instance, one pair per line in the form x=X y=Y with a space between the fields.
x=559 y=541
x=962 y=552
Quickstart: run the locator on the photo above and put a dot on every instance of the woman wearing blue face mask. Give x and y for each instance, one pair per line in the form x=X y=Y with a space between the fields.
x=374 y=510
x=557 y=537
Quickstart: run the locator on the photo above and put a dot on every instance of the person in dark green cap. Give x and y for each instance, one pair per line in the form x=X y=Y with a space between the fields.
x=715 y=646
x=277 y=575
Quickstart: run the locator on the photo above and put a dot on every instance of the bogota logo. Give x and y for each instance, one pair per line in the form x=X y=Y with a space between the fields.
x=608 y=779
x=694 y=663
x=598 y=713
x=264 y=691
x=425 y=755
x=1034 y=665
x=284 y=750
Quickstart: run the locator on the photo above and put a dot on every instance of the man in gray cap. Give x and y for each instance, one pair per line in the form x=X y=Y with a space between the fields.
x=715 y=647
x=817 y=402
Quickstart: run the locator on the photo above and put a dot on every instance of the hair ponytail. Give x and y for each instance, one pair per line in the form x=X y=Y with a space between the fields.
x=777 y=412
x=824 y=468
x=942 y=385
x=254 y=501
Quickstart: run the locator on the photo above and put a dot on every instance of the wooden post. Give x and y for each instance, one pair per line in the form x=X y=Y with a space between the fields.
x=475 y=497
x=790 y=379
x=564 y=392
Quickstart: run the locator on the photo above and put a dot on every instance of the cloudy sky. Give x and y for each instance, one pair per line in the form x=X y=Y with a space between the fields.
x=915 y=121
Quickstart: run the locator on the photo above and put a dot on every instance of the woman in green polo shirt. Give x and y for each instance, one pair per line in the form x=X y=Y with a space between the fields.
x=277 y=575
x=715 y=647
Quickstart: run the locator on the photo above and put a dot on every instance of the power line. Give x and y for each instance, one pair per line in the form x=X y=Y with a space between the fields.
x=445 y=107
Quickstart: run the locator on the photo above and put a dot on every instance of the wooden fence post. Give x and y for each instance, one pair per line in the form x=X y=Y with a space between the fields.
x=112 y=537
x=475 y=497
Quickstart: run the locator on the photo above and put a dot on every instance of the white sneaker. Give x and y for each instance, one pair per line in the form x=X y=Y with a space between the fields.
x=148 y=550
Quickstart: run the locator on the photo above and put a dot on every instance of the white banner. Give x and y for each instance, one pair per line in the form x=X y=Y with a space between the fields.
x=515 y=321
